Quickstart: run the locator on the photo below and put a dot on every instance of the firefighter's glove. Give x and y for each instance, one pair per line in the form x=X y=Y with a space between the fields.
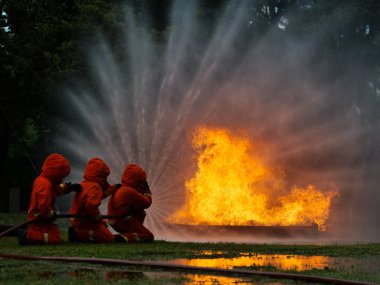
x=146 y=189
x=74 y=187
x=97 y=219
x=51 y=217
x=111 y=189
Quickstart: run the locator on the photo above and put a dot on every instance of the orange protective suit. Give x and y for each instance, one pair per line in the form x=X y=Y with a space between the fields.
x=46 y=188
x=86 y=203
x=130 y=201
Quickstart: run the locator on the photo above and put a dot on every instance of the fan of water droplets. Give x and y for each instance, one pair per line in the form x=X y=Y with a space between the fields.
x=143 y=105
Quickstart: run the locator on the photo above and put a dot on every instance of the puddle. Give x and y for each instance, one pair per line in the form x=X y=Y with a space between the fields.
x=90 y=273
x=108 y=275
x=211 y=259
x=283 y=262
x=87 y=271
x=100 y=273
x=212 y=280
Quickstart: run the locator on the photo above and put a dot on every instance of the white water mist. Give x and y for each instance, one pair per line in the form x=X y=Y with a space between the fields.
x=144 y=109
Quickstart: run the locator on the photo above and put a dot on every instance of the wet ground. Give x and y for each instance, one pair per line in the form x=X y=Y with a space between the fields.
x=144 y=276
x=283 y=262
x=262 y=262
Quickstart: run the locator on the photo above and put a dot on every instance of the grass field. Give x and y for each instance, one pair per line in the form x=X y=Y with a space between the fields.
x=43 y=272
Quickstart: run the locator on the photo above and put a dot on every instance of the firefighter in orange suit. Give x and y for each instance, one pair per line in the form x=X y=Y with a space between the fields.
x=129 y=202
x=91 y=228
x=46 y=188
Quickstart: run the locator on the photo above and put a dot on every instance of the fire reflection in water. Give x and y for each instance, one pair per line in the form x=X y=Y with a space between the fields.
x=212 y=280
x=146 y=276
x=284 y=262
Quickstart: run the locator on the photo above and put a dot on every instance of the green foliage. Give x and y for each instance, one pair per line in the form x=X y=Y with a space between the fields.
x=43 y=46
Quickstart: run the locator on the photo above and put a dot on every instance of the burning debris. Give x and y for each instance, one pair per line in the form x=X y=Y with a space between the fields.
x=234 y=187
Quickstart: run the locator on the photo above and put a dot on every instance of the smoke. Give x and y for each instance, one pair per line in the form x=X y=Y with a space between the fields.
x=279 y=88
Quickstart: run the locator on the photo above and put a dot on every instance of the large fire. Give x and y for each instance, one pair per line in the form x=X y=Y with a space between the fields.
x=233 y=186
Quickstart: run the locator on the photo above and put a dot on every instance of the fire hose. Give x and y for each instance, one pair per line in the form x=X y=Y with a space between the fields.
x=60 y=216
x=189 y=268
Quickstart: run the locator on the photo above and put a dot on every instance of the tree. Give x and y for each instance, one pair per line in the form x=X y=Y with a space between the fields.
x=42 y=45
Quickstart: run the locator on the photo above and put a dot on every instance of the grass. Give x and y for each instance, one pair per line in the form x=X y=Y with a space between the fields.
x=161 y=250
x=42 y=272
x=11 y=219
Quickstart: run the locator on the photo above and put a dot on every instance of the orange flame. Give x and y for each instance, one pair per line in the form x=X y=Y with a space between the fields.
x=233 y=186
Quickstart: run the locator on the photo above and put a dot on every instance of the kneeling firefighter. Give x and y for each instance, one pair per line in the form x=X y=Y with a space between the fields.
x=129 y=202
x=46 y=187
x=95 y=187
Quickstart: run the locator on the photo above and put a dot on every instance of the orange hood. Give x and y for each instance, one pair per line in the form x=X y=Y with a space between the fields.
x=134 y=176
x=97 y=171
x=55 y=168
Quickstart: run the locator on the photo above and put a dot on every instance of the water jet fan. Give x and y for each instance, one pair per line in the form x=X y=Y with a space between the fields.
x=228 y=121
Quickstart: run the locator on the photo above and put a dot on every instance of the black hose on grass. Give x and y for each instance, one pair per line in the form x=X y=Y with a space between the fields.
x=175 y=267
